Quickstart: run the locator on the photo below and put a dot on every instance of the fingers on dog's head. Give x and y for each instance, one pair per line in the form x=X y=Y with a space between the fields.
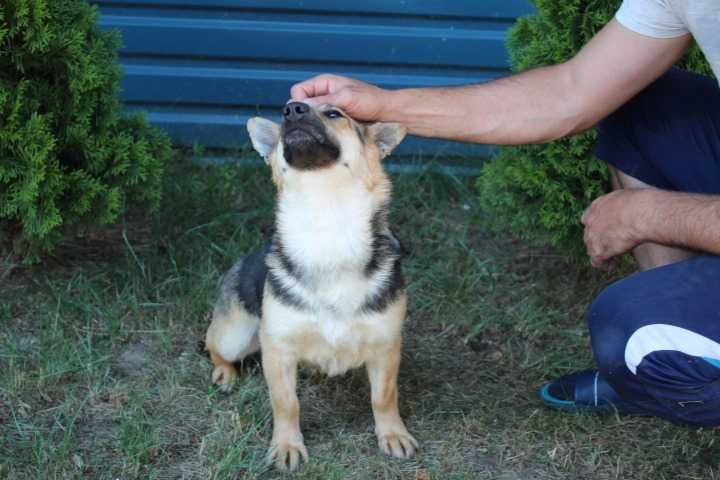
x=312 y=87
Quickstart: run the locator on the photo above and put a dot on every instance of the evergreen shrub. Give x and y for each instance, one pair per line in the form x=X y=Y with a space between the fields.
x=68 y=157
x=539 y=192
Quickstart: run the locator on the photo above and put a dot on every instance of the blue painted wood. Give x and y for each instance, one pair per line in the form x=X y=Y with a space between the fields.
x=232 y=87
x=201 y=68
x=313 y=42
x=508 y=9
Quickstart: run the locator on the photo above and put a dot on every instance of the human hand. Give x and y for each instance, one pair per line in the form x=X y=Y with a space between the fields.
x=360 y=100
x=613 y=224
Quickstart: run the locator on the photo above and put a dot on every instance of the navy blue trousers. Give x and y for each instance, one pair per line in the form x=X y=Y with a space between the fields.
x=656 y=334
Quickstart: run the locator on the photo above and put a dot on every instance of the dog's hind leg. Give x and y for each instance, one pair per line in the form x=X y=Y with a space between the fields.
x=224 y=373
x=393 y=437
x=233 y=332
x=232 y=336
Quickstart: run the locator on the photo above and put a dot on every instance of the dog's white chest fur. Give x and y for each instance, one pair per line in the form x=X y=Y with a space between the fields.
x=326 y=229
x=327 y=233
x=333 y=341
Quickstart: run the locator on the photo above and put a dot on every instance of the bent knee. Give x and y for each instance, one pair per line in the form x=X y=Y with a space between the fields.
x=612 y=319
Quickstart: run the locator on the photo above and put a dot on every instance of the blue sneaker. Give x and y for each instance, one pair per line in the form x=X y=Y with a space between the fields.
x=585 y=391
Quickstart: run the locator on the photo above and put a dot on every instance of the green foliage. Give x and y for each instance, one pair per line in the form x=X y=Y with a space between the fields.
x=540 y=191
x=67 y=156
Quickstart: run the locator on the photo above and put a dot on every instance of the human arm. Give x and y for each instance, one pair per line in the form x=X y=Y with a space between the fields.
x=619 y=221
x=534 y=106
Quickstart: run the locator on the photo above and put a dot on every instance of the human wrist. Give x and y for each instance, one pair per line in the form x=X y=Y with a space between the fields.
x=649 y=214
x=389 y=104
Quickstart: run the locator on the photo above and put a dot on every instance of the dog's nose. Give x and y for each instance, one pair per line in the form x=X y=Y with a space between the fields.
x=295 y=111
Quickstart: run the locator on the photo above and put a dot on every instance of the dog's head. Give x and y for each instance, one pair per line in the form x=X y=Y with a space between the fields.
x=312 y=140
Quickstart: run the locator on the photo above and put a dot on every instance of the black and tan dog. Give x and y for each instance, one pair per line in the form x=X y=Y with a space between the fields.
x=327 y=289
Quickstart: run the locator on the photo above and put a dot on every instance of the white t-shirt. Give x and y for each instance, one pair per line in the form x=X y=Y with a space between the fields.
x=673 y=18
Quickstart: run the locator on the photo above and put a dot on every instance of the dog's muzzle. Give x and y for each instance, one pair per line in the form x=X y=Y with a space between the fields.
x=306 y=144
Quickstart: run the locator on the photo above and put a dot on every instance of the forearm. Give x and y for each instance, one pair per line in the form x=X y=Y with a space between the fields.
x=531 y=107
x=542 y=104
x=680 y=219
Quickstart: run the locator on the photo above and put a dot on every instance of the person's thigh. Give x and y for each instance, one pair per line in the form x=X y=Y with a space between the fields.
x=667 y=136
x=656 y=339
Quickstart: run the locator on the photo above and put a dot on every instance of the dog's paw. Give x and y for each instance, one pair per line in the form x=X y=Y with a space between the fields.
x=224 y=376
x=399 y=444
x=287 y=455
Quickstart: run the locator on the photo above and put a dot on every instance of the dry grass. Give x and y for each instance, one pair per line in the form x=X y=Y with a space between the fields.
x=100 y=376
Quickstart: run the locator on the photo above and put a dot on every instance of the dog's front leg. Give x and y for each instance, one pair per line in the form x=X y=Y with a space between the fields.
x=393 y=437
x=280 y=369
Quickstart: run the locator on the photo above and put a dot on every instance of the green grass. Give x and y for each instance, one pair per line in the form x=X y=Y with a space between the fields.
x=100 y=374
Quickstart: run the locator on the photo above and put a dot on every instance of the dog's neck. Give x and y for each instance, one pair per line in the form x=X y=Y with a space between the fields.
x=327 y=223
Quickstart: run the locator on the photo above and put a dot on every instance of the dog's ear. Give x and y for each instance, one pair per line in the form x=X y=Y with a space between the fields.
x=264 y=135
x=386 y=136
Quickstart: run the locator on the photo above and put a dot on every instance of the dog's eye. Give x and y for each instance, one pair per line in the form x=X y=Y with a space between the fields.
x=332 y=114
